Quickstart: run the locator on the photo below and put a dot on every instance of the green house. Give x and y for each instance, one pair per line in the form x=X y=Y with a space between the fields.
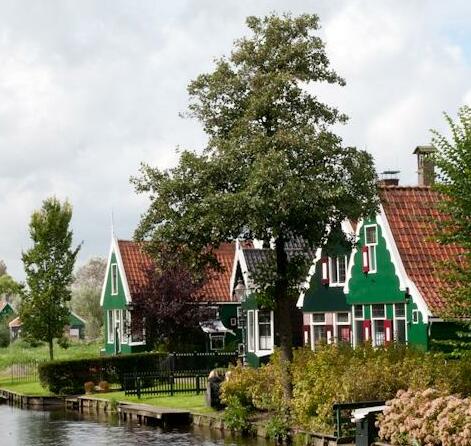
x=326 y=313
x=126 y=276
x=6 y=311
x=393 y=283
x=259 y=323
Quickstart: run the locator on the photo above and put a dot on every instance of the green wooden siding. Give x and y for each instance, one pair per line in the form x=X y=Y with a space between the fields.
x=379 y=287
x=228 y=311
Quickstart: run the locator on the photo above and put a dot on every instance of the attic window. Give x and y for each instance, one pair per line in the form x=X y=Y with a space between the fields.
x=114 y=279
x=337 y=270
x=371 y=240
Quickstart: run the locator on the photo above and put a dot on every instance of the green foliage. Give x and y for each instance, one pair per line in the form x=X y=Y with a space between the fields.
x=278 y=428
x=48 y=266
x=4 y=336
x=71 y=374
x=272 y=170
x=86 y=291
x=335 y=374
x=236 y=415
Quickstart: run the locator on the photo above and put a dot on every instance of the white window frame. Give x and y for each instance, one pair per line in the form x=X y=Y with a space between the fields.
x=110 y=326
x=372 y=248
x=114 y=279
x=331 y=266
x=257 y=335
x=313 y=324
x=239 y=317
x=356 y=320
x=338 y=324
x=218 y=336
x=373 y=325
x=415 y=316
x=400 y=318
x=251 y=331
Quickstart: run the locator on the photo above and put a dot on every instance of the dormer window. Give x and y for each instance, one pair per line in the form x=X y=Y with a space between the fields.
x=369 y=251
x=114 y=279
x=337 y=270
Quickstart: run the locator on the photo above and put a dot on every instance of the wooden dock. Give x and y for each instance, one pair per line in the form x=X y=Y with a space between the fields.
x=146 y=414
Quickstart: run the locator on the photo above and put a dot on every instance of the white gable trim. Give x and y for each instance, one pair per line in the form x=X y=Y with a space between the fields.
x=352 y=256
x=312 y=271
x=115 y=248
x=78 y=317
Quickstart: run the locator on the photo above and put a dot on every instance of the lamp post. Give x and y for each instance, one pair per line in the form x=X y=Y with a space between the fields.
x=240 y=295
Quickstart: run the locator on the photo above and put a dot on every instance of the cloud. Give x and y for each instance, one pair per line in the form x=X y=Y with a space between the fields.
x=89 y=90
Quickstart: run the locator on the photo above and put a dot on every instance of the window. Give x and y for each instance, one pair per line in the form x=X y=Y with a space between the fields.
x=240 y=317
x=358 y=317
x=343 y=327
x=337 y=270
x=264 y=330
x=114 y=279
x=319 y=329
x=136 y=327
x=250 y=331
x=110 y=324
x=358 y=312
x=233 y=321
x=371 y=240
x=378 y=311
x=415 y=316
x=400 y=334
x=216 y=342
x=378 y=314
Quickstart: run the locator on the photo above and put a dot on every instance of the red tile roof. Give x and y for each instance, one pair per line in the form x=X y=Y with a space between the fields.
x=135 y=262
x=217 y=289
x=414 y=220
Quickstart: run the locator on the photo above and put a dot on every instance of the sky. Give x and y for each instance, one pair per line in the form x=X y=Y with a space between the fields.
x=91 y=89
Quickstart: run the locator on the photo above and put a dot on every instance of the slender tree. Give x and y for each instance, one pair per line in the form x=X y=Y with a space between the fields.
x=272 y=169
x=86 y=291
x=48 y=266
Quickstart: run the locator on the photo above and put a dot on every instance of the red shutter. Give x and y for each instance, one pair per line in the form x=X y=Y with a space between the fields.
x=307 y=334
x=388 y=331
x=325 y=270
x=366 y=259
x=367 y=331
x=329 y=333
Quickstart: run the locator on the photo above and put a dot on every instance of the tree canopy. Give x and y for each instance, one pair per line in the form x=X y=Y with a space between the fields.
x=273 y=169
x=48 y=266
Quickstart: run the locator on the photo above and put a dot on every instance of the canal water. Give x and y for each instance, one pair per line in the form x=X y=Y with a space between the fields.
x=21 y=427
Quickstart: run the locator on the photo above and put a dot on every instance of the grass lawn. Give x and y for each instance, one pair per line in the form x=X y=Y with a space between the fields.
x=193 y=403
x=33 y=388
x=21 y=352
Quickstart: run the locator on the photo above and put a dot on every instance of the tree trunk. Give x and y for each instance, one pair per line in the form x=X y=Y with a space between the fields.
x=283 y=318
x=51 y=349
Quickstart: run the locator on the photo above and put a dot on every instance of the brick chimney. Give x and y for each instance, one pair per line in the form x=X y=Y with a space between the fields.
x=389 y=178
x=425 y=165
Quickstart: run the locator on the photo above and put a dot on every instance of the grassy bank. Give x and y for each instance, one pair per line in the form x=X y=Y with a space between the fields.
x=21 y=352
x=31 y=389
x=193 y=403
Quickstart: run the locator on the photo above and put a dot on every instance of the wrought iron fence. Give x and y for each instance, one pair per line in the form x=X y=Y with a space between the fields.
x=23 y=372
x=165 y=382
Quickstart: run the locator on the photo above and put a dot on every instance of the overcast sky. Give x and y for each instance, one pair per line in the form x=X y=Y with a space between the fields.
x=89 y=89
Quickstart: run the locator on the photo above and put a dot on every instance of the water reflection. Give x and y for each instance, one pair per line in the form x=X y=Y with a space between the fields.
x=20 y=427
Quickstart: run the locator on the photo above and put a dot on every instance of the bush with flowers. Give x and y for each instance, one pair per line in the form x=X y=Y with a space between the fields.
x=343 y=374
x=426 y=418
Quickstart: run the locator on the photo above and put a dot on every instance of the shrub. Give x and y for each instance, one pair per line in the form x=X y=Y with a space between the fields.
x=89 y=387
x=426 y=417
x=4 y=336
x=71 y=374
x=104 y=386
x=236 y=415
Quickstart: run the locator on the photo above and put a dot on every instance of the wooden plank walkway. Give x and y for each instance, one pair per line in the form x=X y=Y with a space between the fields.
x=147 y=414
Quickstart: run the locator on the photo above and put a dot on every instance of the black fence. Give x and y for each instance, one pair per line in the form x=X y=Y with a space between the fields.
x=165 y=382
x=342 y=413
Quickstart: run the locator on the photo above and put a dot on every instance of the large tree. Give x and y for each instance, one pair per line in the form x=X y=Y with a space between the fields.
x=273 y=169
x=48 y=264
x=86 y=291
x=453 y=159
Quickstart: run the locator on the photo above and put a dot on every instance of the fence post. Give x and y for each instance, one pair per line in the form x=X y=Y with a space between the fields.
x=171 y=383
x=139 y=388
x=197 y=384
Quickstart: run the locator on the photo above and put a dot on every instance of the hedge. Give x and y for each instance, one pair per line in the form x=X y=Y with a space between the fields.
x=69 y=376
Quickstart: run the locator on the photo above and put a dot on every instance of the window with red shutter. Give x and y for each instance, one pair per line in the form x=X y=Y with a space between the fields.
x=366 y=259
x=325 y=271
x=388 y=331
x=367 y=330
